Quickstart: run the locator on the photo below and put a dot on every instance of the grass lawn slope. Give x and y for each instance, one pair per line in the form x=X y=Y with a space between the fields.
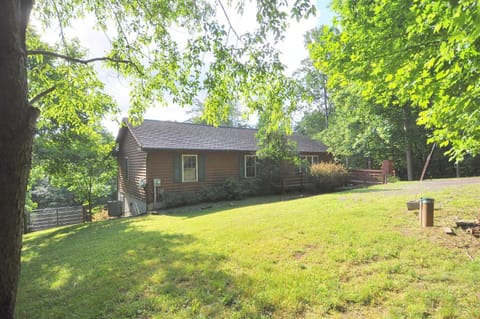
x=356 y=254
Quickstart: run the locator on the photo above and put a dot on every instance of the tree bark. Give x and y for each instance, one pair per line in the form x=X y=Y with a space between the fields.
x=408 y=141
x=17 y=125
x=325 y=102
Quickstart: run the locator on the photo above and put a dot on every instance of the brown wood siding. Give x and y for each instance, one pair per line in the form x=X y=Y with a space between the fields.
x=137 y=160
x=218 y=166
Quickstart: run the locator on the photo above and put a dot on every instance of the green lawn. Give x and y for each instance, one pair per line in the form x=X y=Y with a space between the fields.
x=356 y=254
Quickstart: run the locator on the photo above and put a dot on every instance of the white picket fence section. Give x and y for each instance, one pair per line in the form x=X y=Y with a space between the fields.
x=45 y=218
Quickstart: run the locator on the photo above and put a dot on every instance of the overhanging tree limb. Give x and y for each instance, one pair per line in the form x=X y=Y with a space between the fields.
x=228 y=20
x=42 y=94
x=82 y=61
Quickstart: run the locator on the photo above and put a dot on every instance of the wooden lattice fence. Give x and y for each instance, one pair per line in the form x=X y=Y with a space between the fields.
x=45 y=218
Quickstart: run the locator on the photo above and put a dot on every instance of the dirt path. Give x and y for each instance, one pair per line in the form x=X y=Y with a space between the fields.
x=418 y=188
x=436 y=184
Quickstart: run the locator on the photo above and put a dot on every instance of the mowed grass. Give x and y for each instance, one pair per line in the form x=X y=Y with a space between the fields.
x=356 y=254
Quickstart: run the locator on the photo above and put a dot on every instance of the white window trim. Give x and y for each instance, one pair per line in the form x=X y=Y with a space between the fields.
x=183 y=168
x=245 y=165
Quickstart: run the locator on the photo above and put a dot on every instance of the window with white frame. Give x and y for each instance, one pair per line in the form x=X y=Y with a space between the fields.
x=189 y=168
x=250 y=165
x=307 y=161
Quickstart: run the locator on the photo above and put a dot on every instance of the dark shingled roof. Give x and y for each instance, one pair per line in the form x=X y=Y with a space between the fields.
x=164 y=135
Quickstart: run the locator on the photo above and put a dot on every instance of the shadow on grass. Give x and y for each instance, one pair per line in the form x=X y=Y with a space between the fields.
x=115 y=269
x=207 y=208
x=216 y=207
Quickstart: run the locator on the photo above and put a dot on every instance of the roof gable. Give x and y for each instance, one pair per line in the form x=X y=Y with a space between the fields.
x=165 y=135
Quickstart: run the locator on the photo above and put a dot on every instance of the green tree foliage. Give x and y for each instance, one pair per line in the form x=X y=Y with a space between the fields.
x=72 y=104
x=214 y=58
x=66 y=92
x=311 y=123
x=365 y=134
x=312 y=85
x=419 y=53
x=234 y=117
x=81 y=163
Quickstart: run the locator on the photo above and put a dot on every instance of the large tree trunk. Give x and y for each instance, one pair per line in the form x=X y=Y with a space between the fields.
x=17 y=120
x=408 y=141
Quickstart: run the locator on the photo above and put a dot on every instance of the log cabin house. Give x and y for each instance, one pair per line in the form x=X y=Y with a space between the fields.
x=158 y=158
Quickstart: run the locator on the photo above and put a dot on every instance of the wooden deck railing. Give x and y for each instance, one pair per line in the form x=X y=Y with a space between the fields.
x=366 y=176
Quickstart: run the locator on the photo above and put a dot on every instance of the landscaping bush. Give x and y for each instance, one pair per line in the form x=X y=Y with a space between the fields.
x=233 y=188
x=251 y=187
x=268 y=174
x=212 y=193
x=327 y=176
x=175 y=199
x=228 y=189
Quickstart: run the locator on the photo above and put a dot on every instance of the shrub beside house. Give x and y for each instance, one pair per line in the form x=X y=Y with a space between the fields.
x=163 y=163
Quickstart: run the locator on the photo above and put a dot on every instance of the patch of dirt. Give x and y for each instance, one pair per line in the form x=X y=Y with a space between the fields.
x=100 y=215
x=460 y=241
x=444 y=216
x=298 y=254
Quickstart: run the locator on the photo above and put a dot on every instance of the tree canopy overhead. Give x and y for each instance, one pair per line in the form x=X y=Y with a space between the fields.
x=423 y=54
x=180 y=48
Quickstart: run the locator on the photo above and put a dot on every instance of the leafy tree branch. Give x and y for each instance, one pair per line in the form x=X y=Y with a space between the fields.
x=78 y=60
x=41 y=95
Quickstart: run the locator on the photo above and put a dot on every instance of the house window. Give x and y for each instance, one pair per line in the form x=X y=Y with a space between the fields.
x=189 y=168
x=250 y=165
x=125 y=168
x=307 y=161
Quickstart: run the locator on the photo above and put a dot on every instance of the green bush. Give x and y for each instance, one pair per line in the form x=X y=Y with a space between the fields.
x=327 y=176
x=238 y=189
x=228 y=189
x=233 y=188
x=252 y=187
x=175 y=199
x=392 y=179
x=269 y=173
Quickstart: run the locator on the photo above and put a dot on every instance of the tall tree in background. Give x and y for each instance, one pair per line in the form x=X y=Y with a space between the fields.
x=411 y=55
x=145 y=51
x=71 y=111
x=312 y=91
x=232 y=117
x=365 y=134
x=81 y=163
x=313 y=94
